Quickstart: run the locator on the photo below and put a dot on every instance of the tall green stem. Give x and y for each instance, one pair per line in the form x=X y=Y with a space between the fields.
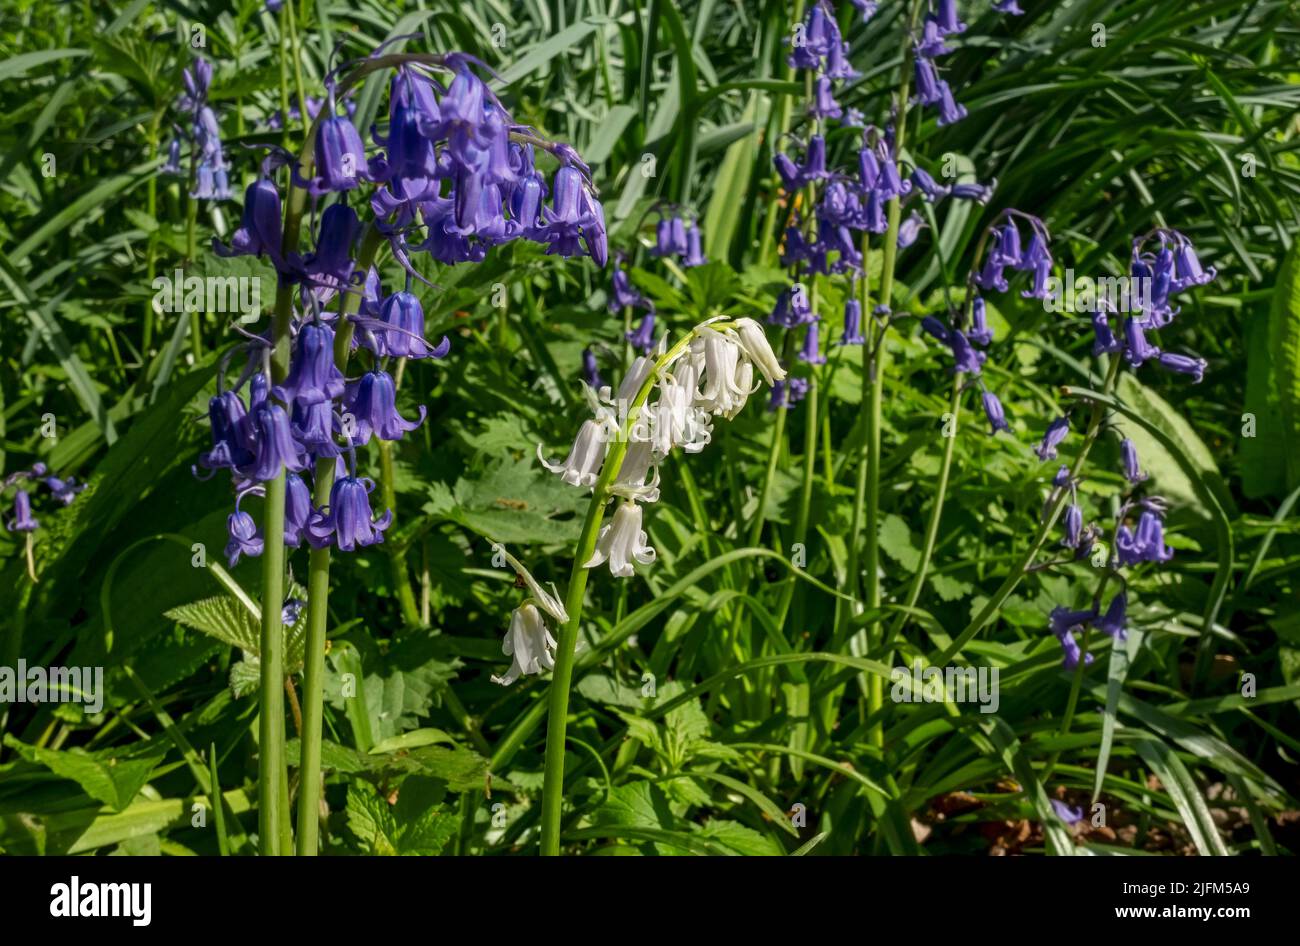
x=270 y=768
x=991 y=606
x=318 y=588
x=557 y=718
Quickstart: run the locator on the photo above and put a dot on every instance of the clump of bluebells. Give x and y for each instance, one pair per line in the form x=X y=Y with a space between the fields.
x=452 y=175
x=966 y=335
x=1137 y=535
x=27 y=483
x=849 y=205
x=203 y=134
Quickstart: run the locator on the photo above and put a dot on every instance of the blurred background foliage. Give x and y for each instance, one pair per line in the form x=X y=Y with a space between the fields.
x=1104 y=117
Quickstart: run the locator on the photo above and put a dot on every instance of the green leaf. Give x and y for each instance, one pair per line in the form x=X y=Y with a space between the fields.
x=105 y=776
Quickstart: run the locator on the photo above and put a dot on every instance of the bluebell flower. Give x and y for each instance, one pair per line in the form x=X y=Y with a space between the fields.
x=1114 y=621
x=1183 y=364
x=272 y=443
x=259 y=228
x=230 y=446
x=1063 y=622
x=623 y=293
x=65 y=491
x=331 y=264
x=1056 y=432
x=313 y=376
x=694 y=249
x=315 y=427
x=823 y=105
x=947 y=19
x=1009 y=7
x=297 y=510
x=1105 y=341
x=1073 y=525
x=173 y=164
x=1137 y=349
x=867 y=8
x=928 y=187
x=810 y=352
x=1132 y=471
x=966 y=360
x=347 y=522
x=950 y=111
x=932 y=44
x=590 y=372
x=910 y=229
x=980 y=193
x=339 y=156
x=570 y=216
x=980 y=333
x=245 y=536
x=404 y=337
x=1146 y=543
x=291 y=611
x=1070 y=815
x=993 y=411
x=642 y=337
x=935 y=328
x=372 y=401
x=852 y=334
x=23 y=520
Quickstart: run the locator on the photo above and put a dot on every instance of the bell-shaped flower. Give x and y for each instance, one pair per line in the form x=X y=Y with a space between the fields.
x=297 y=510
x=372 y=402
x=244 y=536
x=582 y=466
x=852 y=333
x=1114 y=621
x=259 y=228
x=753 y=342
x=642 y=338
x=993 y=411
x=273 y=445
x=313 y=375
x=339 y=156
x=529 y=645
x=347 y=521
x=23 y=520
x=622 y=542
x=1132 y=470
x=1056 y=432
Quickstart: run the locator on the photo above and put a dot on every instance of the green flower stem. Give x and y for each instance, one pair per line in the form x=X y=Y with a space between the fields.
x=867 y=496
x=396 y=555
x=936 y=513
x=1013 y=580
x=318 y=589
x=557 y=714
x=270 y=767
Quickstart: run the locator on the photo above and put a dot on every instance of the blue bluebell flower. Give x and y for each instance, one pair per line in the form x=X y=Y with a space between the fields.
x=1056 y=432
x=347 y=521
x=372 y=401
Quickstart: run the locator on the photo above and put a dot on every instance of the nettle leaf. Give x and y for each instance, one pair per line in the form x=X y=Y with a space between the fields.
x=896 y=540
x=681 y=735
x=226 y=619
x=515 y=501
x=739 y=838
x=601 y=688
x=104 y=776
x=401 y=684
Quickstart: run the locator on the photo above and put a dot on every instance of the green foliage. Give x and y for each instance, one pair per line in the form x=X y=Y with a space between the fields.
x=721 y=697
